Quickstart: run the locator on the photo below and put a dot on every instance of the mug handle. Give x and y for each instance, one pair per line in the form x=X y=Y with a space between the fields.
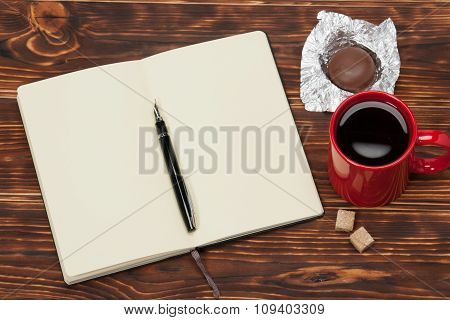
x=431 y=165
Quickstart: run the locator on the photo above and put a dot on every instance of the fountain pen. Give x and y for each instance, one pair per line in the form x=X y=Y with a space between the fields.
x=179 y=187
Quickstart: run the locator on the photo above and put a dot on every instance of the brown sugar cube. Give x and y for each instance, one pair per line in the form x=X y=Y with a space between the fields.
x=345 y=220
x=361 y=239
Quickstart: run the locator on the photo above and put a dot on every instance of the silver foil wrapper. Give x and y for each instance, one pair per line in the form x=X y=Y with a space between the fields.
x=333 y=32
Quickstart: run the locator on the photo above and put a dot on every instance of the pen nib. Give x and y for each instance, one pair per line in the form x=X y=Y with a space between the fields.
x=156 y=111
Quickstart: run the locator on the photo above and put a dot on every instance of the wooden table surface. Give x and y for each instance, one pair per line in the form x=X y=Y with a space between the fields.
x=411 y=256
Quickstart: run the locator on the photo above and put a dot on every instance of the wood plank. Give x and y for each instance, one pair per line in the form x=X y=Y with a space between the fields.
x=91 y=28
x=301 y=261
x=290 y=3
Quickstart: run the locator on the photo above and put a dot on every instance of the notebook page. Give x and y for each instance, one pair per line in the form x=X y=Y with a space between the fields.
x=83 y=129
x=232 y=84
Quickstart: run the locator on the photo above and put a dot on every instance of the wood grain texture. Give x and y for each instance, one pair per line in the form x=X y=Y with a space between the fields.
x=411 y=256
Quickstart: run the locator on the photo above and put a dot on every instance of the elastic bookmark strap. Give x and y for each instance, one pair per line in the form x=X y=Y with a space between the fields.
x=209 y=279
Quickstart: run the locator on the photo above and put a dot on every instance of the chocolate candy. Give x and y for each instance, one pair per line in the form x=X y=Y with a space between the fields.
x=352 y=69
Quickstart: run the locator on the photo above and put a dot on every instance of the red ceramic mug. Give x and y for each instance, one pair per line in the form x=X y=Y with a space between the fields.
x=370 y=186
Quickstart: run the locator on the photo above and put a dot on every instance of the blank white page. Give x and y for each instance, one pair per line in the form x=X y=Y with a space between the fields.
x=233 y=82
x=83 y=130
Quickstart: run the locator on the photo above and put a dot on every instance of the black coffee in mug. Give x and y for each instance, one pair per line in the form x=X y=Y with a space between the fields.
x=372 y=133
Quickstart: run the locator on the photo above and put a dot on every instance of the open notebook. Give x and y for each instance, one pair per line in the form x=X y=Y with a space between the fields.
x=106 y=211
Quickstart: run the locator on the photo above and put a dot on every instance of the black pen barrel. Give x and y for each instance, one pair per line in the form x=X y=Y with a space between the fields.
x=176 y=178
